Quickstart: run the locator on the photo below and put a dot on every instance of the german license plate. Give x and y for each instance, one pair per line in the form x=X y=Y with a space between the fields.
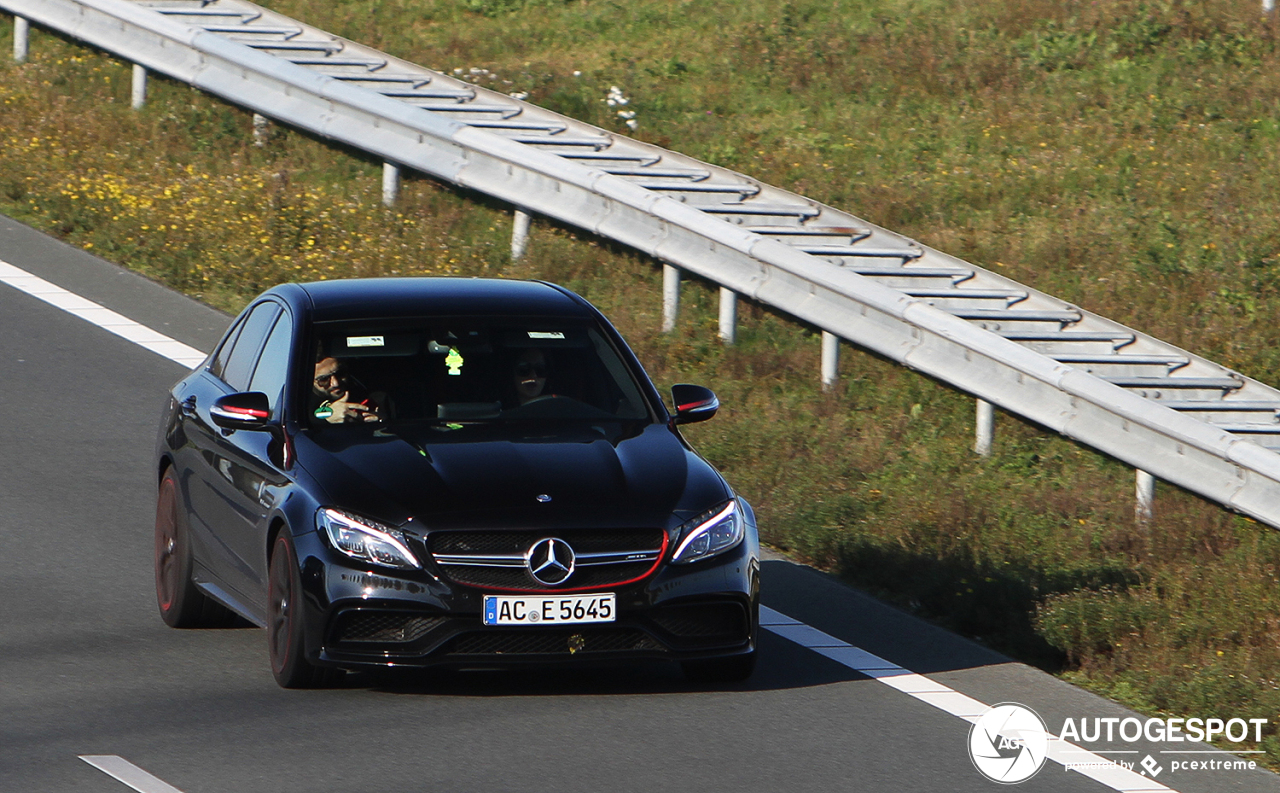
x=543 y=610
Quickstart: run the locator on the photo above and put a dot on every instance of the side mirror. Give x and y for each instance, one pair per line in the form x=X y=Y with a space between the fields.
x=245 y=411
x=693 y=403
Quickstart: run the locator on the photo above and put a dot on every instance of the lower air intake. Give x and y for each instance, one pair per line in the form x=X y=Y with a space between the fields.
x=381 y=627
x=704 y=621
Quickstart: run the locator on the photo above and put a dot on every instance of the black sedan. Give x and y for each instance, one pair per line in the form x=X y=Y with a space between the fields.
x=468 y=472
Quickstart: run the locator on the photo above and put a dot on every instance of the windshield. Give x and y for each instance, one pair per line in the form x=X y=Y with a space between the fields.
x=468 y=370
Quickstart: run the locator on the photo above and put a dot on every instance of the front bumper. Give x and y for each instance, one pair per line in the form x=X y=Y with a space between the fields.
x=357 y=618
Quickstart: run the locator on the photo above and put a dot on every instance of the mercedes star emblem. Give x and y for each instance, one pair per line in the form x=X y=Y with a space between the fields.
x=543 y=498
x=550 y=561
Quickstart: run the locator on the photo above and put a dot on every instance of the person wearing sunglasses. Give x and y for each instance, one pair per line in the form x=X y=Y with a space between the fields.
x=530 y=375
x=332 y=396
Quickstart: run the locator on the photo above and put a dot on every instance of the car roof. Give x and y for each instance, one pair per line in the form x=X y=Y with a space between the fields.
x=361 y=298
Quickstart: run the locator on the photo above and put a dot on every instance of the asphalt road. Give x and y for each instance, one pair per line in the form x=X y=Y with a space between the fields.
x=88 y=668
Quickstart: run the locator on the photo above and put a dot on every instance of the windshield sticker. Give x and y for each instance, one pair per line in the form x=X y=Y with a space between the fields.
x=454 y=361
x=365 y=341
x=539 y=334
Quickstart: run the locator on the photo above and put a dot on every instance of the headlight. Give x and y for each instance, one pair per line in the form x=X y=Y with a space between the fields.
x=710 y=534
x=366 y=540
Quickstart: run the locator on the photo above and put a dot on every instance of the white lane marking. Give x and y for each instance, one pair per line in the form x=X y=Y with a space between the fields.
x=128 y=773
x=104 y=318
x=931 y=692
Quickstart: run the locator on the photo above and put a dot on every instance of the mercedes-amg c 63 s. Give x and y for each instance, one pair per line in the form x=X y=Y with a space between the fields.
x=423 y=471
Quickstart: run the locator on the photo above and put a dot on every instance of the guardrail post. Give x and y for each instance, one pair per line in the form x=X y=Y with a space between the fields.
x=1145 y=491
x=261 y=130
x=390 y=183
x=830 y=360
x=985 y=428
x=139 y=97
x=21 y=29
x=670 y=297
x=728 y=315
x=519 y=234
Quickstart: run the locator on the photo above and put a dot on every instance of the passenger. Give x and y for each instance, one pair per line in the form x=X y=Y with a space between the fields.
x=332 y=397
x=530 y=375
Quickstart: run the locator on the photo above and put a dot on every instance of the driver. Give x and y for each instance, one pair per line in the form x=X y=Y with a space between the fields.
x=332 y=399
x=530 y=375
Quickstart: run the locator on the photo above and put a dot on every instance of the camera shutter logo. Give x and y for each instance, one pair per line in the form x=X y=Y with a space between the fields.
x=1009 y=743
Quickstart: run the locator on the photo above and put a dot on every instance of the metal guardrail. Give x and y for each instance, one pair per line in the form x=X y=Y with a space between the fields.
x=1169 y=413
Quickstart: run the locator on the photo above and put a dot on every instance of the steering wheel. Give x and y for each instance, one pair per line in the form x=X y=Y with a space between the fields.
x=542 y=398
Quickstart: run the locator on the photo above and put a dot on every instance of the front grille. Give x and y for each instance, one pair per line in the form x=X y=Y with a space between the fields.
x=582 y=540
x=513 y=575
x=382 y=627
x=519 y=578
x=707 y=621
x=497 y=577
x=553 y=642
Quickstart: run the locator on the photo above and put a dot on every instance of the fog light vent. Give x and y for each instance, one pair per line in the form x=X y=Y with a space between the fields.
x=383 y=627
x=703 y=620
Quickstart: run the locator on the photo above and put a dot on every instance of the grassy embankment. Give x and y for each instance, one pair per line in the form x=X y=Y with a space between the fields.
x=1122 y=156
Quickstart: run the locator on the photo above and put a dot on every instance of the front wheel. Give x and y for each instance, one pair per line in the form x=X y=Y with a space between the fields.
x=284 y=623
x=734 y=669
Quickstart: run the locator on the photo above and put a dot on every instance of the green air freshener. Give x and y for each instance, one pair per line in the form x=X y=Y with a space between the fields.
x=454 y=361
x=324 y=411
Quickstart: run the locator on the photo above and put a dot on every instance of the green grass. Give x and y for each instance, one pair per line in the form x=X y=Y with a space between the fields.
x=1120 y=155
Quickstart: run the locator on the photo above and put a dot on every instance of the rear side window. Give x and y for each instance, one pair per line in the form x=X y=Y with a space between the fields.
x=224 y=352
x=273 y=365
x=245 y=352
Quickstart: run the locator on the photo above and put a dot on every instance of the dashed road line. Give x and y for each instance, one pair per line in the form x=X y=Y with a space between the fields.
x=103 y=317
x=128 y=773
x=931 y=692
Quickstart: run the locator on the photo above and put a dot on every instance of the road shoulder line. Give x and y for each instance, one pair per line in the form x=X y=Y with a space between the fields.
x=946 y=699
x=101 y=316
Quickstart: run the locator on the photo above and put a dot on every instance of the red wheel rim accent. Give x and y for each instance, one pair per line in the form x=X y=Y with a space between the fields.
x=280 y=605
x=167 y=566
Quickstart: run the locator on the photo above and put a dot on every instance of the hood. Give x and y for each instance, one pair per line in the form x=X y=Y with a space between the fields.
x=483 y=476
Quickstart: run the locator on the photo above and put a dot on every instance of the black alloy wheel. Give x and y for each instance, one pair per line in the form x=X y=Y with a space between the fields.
x=285 y=641
x=182 y=604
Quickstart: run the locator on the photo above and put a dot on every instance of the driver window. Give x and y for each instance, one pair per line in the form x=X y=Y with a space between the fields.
x=273 y=365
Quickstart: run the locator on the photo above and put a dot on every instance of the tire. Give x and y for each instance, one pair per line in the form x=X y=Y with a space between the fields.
x=285 y=639
x=181 y=603
x=734 y=669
